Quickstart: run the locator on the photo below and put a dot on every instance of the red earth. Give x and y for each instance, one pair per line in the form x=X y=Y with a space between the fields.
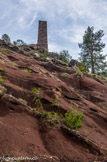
x=22 y=134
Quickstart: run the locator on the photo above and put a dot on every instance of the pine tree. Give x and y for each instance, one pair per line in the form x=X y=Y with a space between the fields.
x=91 y=50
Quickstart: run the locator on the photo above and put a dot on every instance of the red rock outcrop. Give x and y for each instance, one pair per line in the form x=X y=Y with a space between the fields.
x=21 y=134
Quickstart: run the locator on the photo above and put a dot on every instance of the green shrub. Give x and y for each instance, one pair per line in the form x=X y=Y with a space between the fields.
x=46 y=54
x=36 y=99
x=27 y=70
x=33 y=110
x=65 y=56
x=51 y=117
x=6 y=155
x=65 y=75
x=82 y=67
x=24 y=102
x=21 y=48
x=74 y=118
x=85 y=133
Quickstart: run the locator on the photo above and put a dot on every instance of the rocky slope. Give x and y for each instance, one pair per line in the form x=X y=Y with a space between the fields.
x=23 y=132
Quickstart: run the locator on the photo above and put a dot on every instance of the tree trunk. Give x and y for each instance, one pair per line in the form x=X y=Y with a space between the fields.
x=92 y=63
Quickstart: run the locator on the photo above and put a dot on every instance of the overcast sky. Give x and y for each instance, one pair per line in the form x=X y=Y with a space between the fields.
x=67 y=21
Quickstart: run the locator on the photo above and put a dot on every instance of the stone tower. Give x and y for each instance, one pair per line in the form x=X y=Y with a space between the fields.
x=42 y=35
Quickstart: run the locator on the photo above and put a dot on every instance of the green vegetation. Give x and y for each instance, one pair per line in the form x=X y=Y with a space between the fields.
x=6 y=155
x=85 y=133
x=55 y=101
x=51 y=117
x=33 y=110
x=82 y=67
x=6 y=38
x=2 y=89
x=64 y=56
x=65 y=75
x=11 y=65
x=27 y=70
x=45 y=54
x=5 y=50
x=22 y=90
x=25 y=132
x=22 y=101
x=36 y=99
x=1 y=79
x=19 y=42
x=1 y=69
x=91 y=50
x=103 y=74
x=21 y=48
x=74 y=118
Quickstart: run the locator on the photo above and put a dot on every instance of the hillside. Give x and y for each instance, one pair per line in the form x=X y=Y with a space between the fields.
x=27 y=128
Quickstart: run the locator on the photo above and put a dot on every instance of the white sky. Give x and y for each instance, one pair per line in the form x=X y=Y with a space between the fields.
x=67 y=21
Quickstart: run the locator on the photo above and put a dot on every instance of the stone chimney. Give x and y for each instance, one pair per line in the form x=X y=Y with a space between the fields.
x=42 y=35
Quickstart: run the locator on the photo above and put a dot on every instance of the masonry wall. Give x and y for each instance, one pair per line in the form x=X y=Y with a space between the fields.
x=42 y=35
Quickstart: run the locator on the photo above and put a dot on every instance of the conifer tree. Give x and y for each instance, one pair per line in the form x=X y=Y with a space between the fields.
x=91 y=50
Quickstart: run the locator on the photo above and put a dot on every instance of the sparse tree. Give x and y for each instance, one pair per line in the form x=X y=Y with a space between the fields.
x=65 y=56
x=19 y=42
x=6 y=38
x=91 y=50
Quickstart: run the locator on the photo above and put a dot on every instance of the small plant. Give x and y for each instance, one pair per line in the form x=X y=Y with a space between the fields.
x=25 y=132
x=64 y=56
x=1 y=69
x=8 y=51
x=21 y=48
x=85 y=133
x=1 y=79
x=82 y=67
x=79 y=72
x=74 y=118
x=46 y=54
x=2 y=90
x=22 y=90
x=36 y=99
x=51 y=117
x=55 y=101
x=65 y=75
x=5 y=50
x=6 y=155
x=24 y=102
x=27 y=70
x=33 y=110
